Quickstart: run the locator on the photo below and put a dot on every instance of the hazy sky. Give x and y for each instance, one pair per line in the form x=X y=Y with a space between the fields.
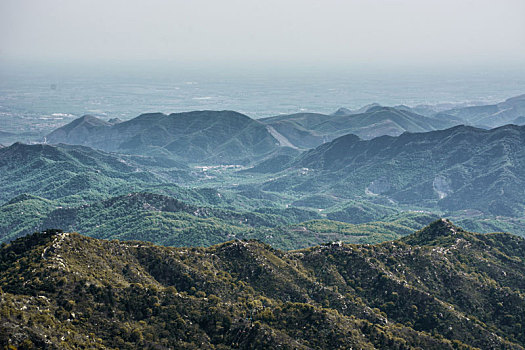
x=311 y=32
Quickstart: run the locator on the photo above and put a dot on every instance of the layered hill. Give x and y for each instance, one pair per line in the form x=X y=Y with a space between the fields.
x=455 y=169
x=211 y=137
x=441 y=288
x=96 y=193
x=493 y=115
x=165 y=220
x=308 y=130
x=72 y=173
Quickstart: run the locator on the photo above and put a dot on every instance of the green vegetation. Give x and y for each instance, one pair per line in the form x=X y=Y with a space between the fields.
x=73 y=174
x=359 y=212
x=165 y=220
x=441 y=288
x=453 y=170
x=23 y=215
x=377 y=285
x=84 y=190
x=371 y=232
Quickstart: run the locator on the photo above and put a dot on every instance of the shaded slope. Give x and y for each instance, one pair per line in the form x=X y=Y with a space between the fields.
x=491 y=115
x=456 y=169
x=72 y=173
x=80 y=130
x=23 y=215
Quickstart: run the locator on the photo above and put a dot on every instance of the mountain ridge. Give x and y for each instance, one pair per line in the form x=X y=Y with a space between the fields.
x=77 y=173
x=169 y=221
x=439 y=295
x=307 y=130
x=216 y=137
x=456 y=169
x=492 y=115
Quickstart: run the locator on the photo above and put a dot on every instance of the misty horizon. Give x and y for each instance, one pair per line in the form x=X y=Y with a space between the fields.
x=261 y=59
x=347 y=35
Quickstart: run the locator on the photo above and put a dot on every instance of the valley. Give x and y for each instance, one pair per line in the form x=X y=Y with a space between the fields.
x=471 y=175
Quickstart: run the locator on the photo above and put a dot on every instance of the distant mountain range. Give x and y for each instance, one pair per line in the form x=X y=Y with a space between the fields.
x=454 y=169
x=209 y=137
x=93 y=192
x=510 y=111
x=307 y=130
x=225 y=137
x=464 y=172
x=468 y=173
x=439 y=288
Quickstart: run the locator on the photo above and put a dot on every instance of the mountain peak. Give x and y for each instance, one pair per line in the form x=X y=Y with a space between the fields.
x=115 y=120
x=368 y=107
x=438 y=229
x=150 y=115
x=90 y=119
x=86 y=122
x=377 y=108
x=342 y=112
x=442 y=226
x=219 y=137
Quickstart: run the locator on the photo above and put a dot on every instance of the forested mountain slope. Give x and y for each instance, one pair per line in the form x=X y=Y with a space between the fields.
x=440 y=288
